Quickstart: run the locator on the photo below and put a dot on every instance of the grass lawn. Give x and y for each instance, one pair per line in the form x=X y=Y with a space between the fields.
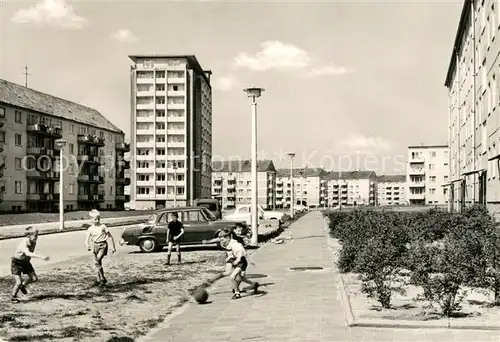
x=30 y=218
x=141 y=291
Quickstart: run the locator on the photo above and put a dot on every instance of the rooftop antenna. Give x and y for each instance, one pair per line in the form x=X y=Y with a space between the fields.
x=26 y=74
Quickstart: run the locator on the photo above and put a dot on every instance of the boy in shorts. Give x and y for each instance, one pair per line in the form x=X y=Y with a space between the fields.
x=239 y=233
x=21 y=263
x=238 y=260
x=97 y=242
x=175 y=230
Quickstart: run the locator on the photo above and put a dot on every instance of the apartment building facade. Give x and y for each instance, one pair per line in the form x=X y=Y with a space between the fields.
x=351 y=188
x=473 y=82
x=94 y=169
x=171 y=131
x=232 y=183
x=427 y=173
x=391 y=190
x=309 y=187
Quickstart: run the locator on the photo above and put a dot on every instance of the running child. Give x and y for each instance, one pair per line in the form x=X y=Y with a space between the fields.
x=21 y=263
x=175 y=230
x=240 y=233
x=238 y=260
x=97 y=241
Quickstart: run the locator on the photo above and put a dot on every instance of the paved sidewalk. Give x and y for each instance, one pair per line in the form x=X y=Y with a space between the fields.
x=294 y=305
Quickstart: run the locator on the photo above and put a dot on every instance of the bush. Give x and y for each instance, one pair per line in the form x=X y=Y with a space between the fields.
x=378 y=261
x=444 y=252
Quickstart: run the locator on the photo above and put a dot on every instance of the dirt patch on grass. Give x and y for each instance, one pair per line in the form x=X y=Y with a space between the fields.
x=476 y=308
x=141 y=292
x=31 y=218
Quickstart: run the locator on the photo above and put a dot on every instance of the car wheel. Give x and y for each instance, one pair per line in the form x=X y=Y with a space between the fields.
x=148 y=245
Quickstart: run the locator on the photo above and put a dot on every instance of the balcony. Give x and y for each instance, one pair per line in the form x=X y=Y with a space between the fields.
x=416 y=171
x=420 y=196
x=42 y=129
x=48 y=175
x=90 y=140
x=42 y=197
x=416 y=184
x=123 y=164
x=91 y=159
x=176 y=119
x=122 y=146
x=91 y=179
x=123 y=181
x=122 y=198
x=417 y=160
x=91 y=198
x=176 y=106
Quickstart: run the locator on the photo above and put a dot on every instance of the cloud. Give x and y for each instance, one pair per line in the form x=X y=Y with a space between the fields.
x=55 y=13
x=274 y=55
x=327 y=70
x=124 y=36
x=279 y=56
x=225 y=83
x=364 y=144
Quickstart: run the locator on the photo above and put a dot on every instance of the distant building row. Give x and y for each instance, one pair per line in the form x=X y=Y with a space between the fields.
x=312 y=187
x=424 y=183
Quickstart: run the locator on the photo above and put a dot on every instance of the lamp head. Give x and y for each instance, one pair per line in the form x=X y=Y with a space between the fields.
x=61 y=143
x=291 y=154
x=254 y=92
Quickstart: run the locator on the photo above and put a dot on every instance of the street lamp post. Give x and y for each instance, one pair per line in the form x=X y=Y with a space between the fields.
x=291 y=155
x=60 y=144
x=175 y=184
x=254 y=93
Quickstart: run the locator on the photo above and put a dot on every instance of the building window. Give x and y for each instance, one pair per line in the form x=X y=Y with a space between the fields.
x=71 y=148
x=433 y=154
x=431 y=166
x=18 y=117
x=160 y=100
x=111 y=190
x=2 y=137
x=71 y=188
x=19 y=187
x=160 y=87
x=18 y=163
x=18 y=140
x=2 y=112
x=160 y=113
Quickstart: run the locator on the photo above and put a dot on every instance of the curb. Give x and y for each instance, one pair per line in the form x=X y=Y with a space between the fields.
x=70 y=230
x=351 y=320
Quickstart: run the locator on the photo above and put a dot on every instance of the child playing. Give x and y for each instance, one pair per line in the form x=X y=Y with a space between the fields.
x=98 y=234
x=21 y=263
x=239 y=233
x=238 y=260
x=175 y=230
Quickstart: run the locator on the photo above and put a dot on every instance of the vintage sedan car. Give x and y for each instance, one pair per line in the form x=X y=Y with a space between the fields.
x=199 y=224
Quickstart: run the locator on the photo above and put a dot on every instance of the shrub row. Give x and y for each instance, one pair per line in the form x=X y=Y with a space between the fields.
x=444 y=253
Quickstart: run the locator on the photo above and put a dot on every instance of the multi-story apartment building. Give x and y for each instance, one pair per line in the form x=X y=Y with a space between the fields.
x=171 y=131
x=391 y=190
x=309 y=187
x=473 y=82
x=351 y=188
x=232 y=183
x=94 y=169
x=427 y=172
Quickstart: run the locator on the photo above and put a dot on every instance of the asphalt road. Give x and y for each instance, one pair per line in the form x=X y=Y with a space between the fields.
x=58 y=247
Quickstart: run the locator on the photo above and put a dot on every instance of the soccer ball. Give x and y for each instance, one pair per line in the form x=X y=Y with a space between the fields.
x=200 y=295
